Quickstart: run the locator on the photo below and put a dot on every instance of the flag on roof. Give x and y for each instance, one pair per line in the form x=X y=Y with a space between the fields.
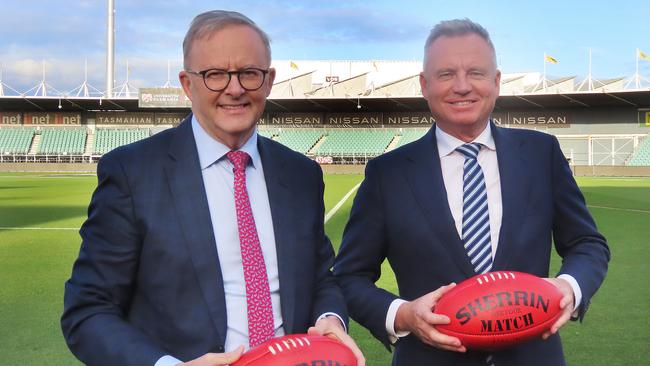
x=550 y=59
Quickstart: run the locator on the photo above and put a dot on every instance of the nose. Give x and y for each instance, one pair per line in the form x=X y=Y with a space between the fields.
x=462 y=85
x=234 y=88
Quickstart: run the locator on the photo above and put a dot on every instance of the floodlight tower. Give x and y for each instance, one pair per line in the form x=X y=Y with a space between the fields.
x=110 y=47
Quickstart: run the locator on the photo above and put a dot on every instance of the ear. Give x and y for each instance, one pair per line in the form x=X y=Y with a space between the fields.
x=498 y=81
x=270 y=78
x=186 y=82
x=423 y=85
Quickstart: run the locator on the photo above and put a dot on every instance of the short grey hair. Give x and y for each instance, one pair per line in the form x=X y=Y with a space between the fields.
x=216 y=20
x=454 y=28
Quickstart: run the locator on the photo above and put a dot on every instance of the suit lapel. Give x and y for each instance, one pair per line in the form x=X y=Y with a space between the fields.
x=515 y=187
x=425 y=178
x=188 y=196
x=277 y=176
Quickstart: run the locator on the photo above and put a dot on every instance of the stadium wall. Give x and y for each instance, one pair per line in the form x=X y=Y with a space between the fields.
x=91 y=168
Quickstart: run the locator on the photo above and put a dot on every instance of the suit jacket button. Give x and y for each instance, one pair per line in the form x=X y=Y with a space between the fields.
x=219 y=349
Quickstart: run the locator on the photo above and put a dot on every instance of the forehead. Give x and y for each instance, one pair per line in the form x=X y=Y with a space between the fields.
x=232 y=45
x=467 y=48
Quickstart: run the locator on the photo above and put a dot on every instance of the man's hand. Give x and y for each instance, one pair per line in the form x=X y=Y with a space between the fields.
x=330 y=326
x=418 y=318
x=216 y=359
x=566 y=304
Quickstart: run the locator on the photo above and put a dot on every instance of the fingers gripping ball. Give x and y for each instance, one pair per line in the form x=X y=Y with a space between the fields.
x=499 y=309
x=299 y=350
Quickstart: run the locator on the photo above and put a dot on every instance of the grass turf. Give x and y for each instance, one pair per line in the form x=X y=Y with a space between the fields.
x=34 y=263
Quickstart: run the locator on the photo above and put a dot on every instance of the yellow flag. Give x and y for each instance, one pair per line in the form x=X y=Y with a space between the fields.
x=643 y=56
x=293 y=65
x=550 y=59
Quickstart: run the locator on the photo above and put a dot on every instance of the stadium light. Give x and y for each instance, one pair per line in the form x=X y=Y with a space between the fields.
x=60 y=103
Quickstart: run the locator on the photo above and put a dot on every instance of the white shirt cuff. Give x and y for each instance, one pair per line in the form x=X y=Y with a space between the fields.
x=390 y=321
x=324 y=315
x=168 y=361
x=577 y=293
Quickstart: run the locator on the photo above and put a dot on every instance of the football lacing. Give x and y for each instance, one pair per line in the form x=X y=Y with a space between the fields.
x=288 y=344
x=491 y=275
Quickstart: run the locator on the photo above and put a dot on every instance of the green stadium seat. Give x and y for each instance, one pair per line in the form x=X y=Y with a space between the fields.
x=642 y=155
x=356 y=142
x=62 y=141
x=15 y=140
x=107 y=139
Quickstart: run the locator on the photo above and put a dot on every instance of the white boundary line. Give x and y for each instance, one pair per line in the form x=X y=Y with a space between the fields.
x=341 y=202
x=620 y=209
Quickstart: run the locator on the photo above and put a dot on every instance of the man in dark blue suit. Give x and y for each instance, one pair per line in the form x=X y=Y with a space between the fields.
x=419 y=208
x=205 y=238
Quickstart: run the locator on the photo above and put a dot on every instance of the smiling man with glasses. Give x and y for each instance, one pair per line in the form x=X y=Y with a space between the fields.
x=205 y=239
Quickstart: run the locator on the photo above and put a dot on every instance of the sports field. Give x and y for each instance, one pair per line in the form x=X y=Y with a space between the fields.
x=40 y=215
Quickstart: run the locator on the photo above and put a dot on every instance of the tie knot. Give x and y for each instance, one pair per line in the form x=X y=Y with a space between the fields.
x=470 y=150
x=239 y=159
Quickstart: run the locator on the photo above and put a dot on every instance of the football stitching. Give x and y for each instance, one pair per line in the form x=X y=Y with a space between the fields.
x=288 y=344
x=486 y=277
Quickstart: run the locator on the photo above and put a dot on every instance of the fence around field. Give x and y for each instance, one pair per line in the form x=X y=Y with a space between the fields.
x=328 y=146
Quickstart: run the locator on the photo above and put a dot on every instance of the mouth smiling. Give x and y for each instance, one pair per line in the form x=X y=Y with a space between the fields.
x=234 y=107
x=462 y=103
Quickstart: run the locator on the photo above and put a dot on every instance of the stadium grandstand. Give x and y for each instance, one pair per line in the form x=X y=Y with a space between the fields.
x=339 y=112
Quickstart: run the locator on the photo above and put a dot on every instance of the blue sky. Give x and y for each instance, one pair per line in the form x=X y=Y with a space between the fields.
x=64 y=33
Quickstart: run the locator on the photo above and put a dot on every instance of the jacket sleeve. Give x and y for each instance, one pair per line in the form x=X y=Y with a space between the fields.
x=327 y=296
x=359 y=262
x=584 y=251
x=98 y=293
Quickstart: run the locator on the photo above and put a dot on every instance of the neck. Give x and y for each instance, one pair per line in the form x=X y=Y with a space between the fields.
x=464 y=133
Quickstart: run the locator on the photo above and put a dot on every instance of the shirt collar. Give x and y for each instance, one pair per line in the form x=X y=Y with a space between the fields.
x=448 y=143
x=210 y=150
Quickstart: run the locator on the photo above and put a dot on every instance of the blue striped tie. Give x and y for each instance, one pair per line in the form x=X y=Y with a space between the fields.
x=476 y=219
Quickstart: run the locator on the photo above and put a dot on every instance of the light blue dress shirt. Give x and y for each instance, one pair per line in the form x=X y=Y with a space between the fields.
x=218 y=179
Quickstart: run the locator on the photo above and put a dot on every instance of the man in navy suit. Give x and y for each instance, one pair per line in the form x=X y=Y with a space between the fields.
x=410 y=208
x=160 y=276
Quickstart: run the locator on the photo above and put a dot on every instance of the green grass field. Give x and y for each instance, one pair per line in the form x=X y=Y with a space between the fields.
x=40 y=215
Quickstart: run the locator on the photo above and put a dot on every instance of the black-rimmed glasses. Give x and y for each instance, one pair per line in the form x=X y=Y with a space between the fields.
x=217 y=80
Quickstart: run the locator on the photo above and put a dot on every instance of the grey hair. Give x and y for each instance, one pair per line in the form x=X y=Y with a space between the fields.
x=216 y=20
x=457 y=27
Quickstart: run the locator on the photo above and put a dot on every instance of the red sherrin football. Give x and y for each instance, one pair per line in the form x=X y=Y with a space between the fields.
x=499 y=309
x=299 y=350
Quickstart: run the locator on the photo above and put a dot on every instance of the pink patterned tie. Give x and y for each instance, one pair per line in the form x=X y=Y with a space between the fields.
x=258 y=295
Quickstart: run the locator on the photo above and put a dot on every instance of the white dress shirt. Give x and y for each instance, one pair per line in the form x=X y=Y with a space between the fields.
x=451 y=164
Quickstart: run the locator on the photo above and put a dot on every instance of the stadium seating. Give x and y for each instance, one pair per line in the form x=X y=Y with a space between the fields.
x=62 y=141
x=642 y=156
x=108 y=139
x=15 y=140
x=410 y=135
x=355 y=142
x=299 y=140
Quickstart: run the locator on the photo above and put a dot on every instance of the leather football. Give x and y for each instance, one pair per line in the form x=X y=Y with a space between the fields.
x=499 y=309
x=299 y=350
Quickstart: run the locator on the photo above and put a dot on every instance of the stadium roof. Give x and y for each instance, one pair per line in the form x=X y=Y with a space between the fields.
x=373 y=103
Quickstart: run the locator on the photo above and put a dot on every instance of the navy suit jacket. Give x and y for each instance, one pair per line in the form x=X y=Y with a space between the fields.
x=147 y=281
x=401 y=213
